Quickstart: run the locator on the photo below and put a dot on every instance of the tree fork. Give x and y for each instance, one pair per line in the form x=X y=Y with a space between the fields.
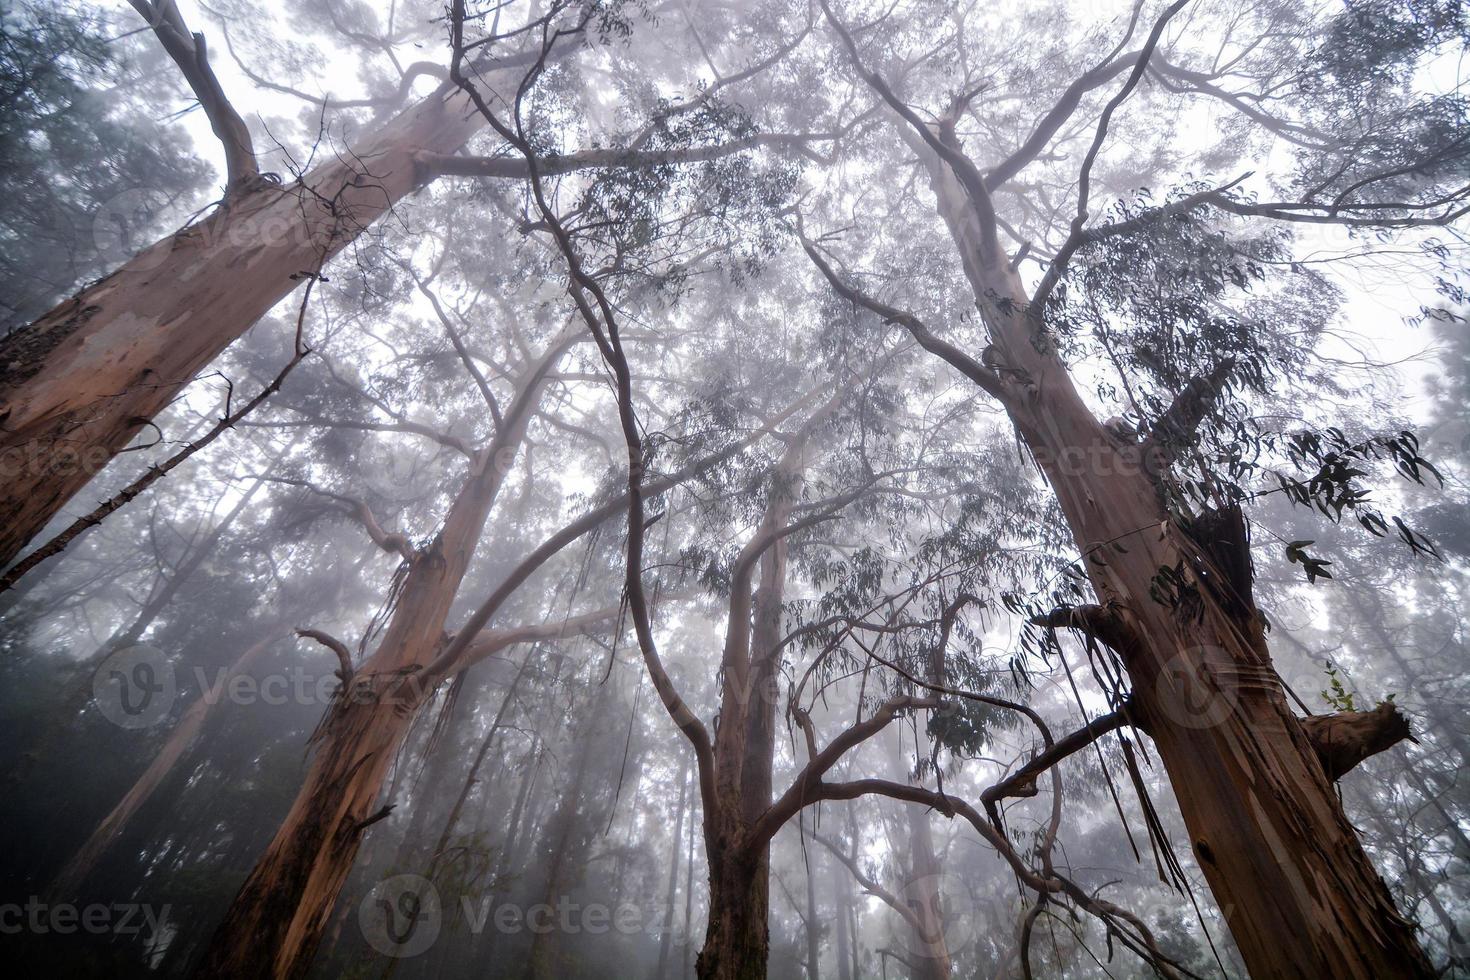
x=78 y=384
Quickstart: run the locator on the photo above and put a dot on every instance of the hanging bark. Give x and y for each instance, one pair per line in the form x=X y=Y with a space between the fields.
x=276 y=921
x=278 y=917
x=1296 y=887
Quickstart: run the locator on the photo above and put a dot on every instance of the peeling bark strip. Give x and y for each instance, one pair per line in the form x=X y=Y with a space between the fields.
x=78 y=384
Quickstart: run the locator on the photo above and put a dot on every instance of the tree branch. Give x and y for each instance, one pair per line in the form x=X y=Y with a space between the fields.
x=190 y=55
x=1176 y=427
x=799 y=793
x=1344 y=739
x=1022 y=782
x=989 y=381
x=333 y=644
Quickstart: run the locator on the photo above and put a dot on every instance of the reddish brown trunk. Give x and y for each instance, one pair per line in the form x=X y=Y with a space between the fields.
x=1298 y=891
x=737 y=939
x=80 y=382
x=737 y=942
x=275 y=923
x=1291 y=878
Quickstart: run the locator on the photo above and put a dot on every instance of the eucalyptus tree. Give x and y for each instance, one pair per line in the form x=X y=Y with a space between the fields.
x=1156 y=290
x=733 y=762
x=82 y=380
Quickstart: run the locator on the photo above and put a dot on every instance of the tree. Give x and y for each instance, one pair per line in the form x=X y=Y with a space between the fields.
x=81 y=381
x=641 y=360
x=1259 y=847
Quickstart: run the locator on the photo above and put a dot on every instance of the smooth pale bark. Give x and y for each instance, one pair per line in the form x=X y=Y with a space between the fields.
x=813 y=936
x=69 y=881
x=78 y=384
x=841 y=902
x=1291 y=878
x=931 y=950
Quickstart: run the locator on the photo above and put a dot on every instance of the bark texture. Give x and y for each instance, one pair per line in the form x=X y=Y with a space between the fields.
x=276 y=921
x=1300 y=895
x=78 y=384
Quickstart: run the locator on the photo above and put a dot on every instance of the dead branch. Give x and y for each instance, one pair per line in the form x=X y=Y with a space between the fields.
x=1346 y=738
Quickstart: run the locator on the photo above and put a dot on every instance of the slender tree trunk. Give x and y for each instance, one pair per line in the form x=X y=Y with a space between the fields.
x=1291 y=877
x=80 y=382
x=543 y=953
x=174 y=748
x=688 y=899
x=931 y=951
x=840 y=901
x=737 y=937
x=813 y=936
x=672 y=888
x=471 y=778
x=484 y=952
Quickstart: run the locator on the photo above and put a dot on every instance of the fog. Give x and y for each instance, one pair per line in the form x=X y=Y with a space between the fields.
x=809 y=488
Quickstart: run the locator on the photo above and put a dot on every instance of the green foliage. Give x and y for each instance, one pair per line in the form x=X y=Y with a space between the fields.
x=69 y=152
x=1338 y=697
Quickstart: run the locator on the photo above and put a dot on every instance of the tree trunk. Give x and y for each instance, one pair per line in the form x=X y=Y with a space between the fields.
x=737 y=939
x=737 y=942
x=69 y=881
x=813 y=936
x=671 y=890
x=931 y=952
x=841 y=899
x=543 y=956
x=80 y=382
x=276 y=921
x=1291 y=878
